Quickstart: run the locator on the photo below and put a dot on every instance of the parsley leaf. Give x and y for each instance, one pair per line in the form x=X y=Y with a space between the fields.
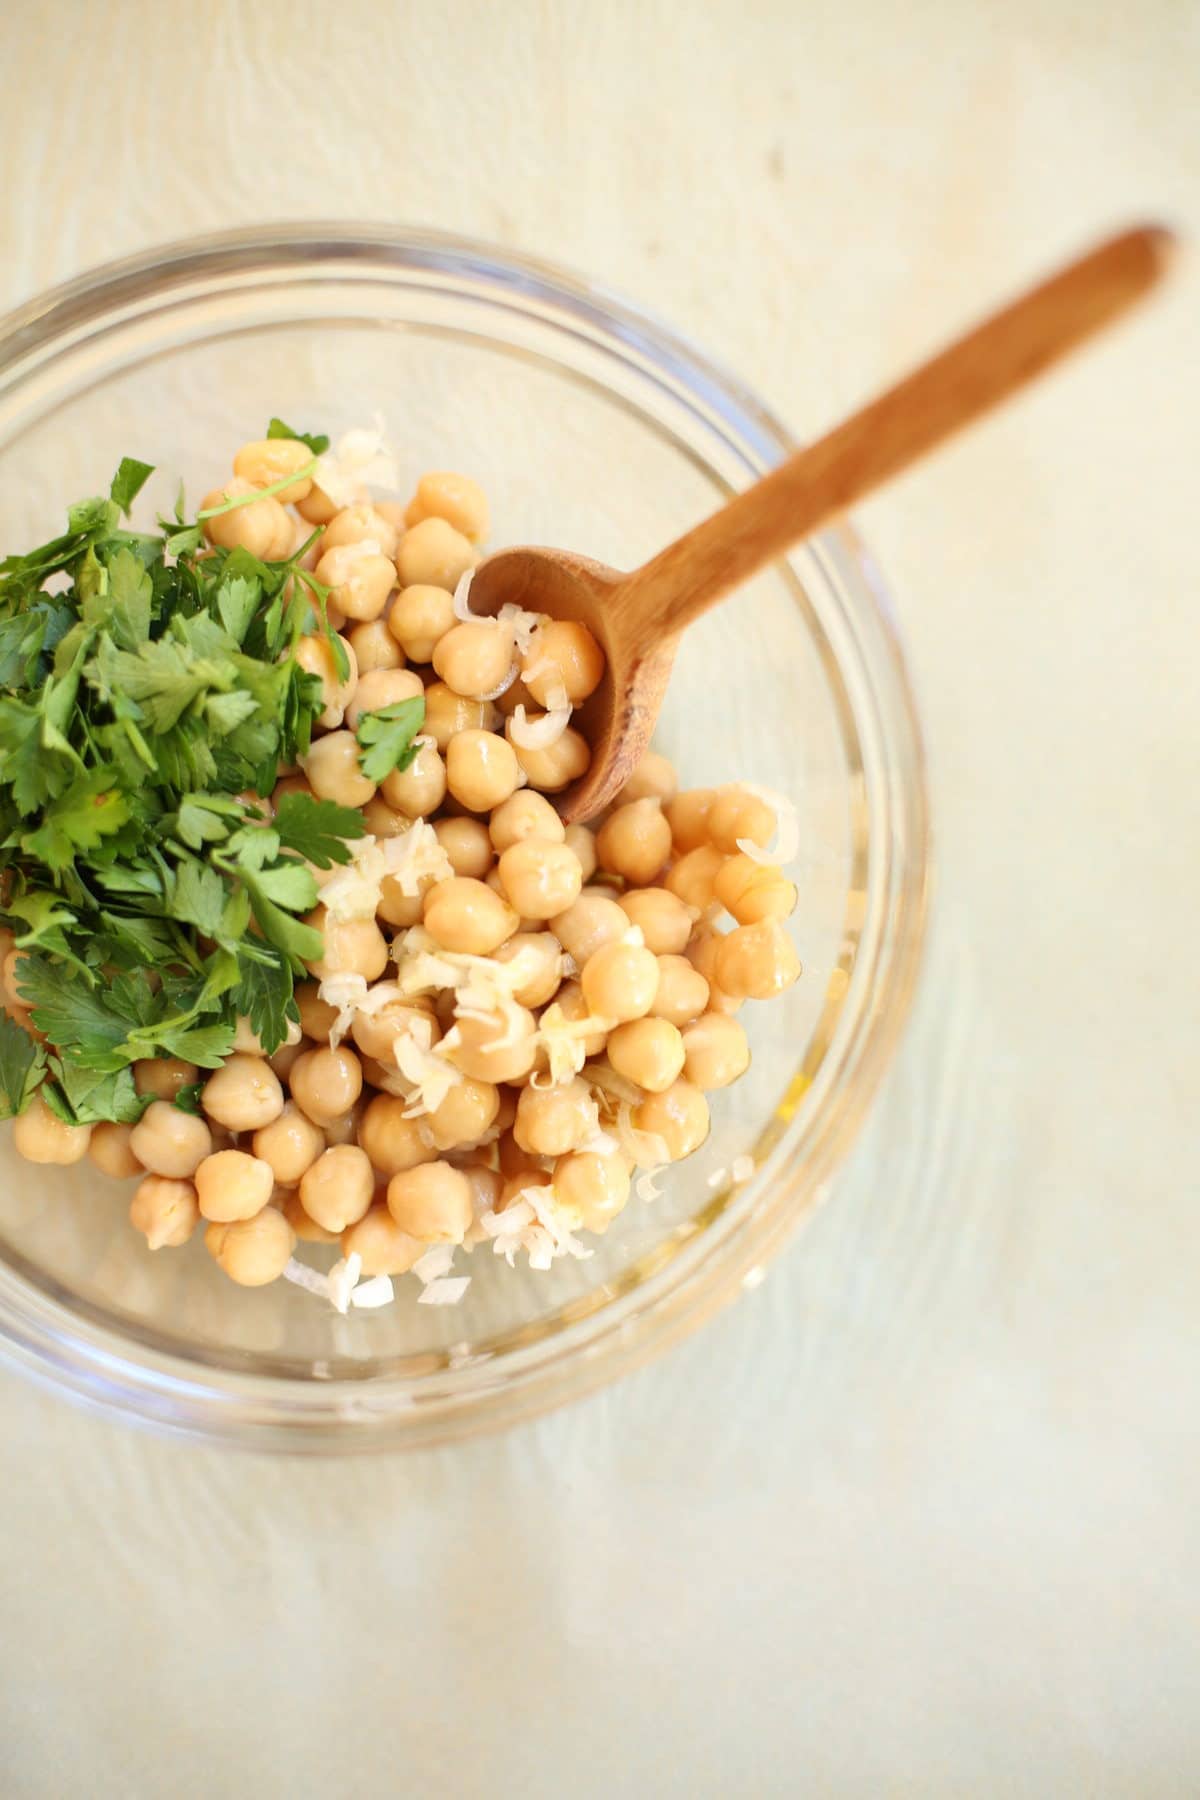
x=128 y=482
x=198 y=897
x=386 y=737
x=91 y=808
x=21 y=1057
x=318 y=830
x=317 y=442
x=264 y=996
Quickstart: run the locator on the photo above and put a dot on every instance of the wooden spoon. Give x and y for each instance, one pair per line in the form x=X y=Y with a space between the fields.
x=637 y=617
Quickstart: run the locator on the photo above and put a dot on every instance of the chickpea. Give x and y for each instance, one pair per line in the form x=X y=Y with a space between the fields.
x=420 y=617
x=691 y=878
x=448 y=713
x=316 y=507
x=634 y=841
x=465 y=1114
x=441 y=494
x=687 y=815
x=380 y=688
x=252 y=1252
x=431 y=1202
x=620 y=981
x=246 y=1039
x=420 y=789
x=570 y=1001
x=551 y=1121
x=679 y=1117
x=716 y=1051
x=290 y=1144
x=333 y=770
x=654 y=778
x=735 y=814
x=594 y=1187
x=316 y=1015
x=375 y=1032
x=167 y=1141
x=110 y=1151
x=382 y=821
x=337 y=1190
x=268 y=460
x=262 y=527
x=374 y=646
x=758 y=961
x=41 y=1137
x=583 y=843
x=242 y=1096
x=390 y=1140
x=541 y=878
x=466 y=843
x=288 y=784
x=524 y=815
x=231 y=1185
x=292 y=1208
x=474 y=659
x=163 y=1076
x=541 y=953
x=315 y=656
x=359 y=580
x=753 y=891
x=562 y=653
x=361 y=524
x=494 y=1048
x=682 y=991
x=326 y=1083
x=352 y=947
x=648 y=1052
x=164 y=1211
x=466 y=916
x=482 y=770
x=703 y=952
x=382 y=1246
x=401 y=909
x=661 y=917
x=590 y=923
x=558 y=765
x=433 y=554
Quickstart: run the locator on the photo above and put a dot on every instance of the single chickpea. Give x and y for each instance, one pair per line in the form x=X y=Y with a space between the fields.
x=163 y=1076
x=315 y=656
x=41 y=1137
x=474 y=659
x=431 y=1202
x=231 y=1185
x=382 y=821
x=262 y=526
x=679 y=1117
x=337 y=1190
x=682 y=991
x=551 y=1121
x=246 y=1039
x=292 y=1207
x=583 y=843
x=482 y=770
x=316 y=1015
x=420 y=618
x=362 y=523
x=164 y=1211
x=374 y=646
x=420 y=789
x=359 y=579
x=563 y=653
x=466 y=916
x=243 y=1095
x=268 y=460
x=379 y=1242
x=662 y=918
x=524 y=814
x=290 y=1144
x=691 y=878
x=448 y=713
x=398 y=908
x=317 y=508
x=380 y=688
x=587 y=925
x=735 y=814
x=390 y=1140
x=753 y=891
x=465 y=1114
x=687 y=815
x=648 y=1052
x=352 y=947
x=441 y=494
x=654 y=778
x=592 y=1186
x=333 y=770
x=634 y=841
x=571 y=1003
x=558 y=765
x=758 y=961
x=541 y=878
x=433 y=554
x=620 y=981
x=391 y=1014
x=494 y=1048
x=540 y=953
x=702 y=953
x=326 y=1083
x=252 y=1252
x=169 y=1142
x=467 y=844
x=110 y=1151
x=716 y=1051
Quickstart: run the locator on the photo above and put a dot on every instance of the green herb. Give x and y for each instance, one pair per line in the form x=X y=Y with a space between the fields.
x=385 y=737
x=317 y=442
x=128 y=482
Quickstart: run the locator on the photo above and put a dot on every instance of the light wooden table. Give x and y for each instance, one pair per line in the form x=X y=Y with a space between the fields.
x=920 y=1516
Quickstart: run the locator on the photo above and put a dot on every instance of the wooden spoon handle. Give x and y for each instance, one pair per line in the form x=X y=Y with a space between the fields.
x=965 y=381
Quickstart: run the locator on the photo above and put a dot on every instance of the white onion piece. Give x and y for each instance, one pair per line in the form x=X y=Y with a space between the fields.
x=495 y=693
x=646 y=1148
x=378 y=1291
x=646 y=1186
x=462 y=606
x=538 y=734
x=787 y=828
x=444 y=1293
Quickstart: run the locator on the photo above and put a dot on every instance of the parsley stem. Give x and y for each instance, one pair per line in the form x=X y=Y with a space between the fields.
x=276 y=487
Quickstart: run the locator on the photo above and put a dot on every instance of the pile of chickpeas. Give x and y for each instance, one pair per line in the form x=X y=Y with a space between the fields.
x=619 y=926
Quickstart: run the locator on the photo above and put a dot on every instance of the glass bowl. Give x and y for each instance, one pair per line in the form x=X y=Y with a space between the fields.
x=591 y=426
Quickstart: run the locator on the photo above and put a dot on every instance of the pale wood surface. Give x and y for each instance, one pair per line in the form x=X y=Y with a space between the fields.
x=919 y=1516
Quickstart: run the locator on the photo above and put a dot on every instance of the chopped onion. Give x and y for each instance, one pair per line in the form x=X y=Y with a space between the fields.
x=646 y=1186
x=787 y=829
x=304 y=1277
x=435 y=1263
x=646 y=1148
x=538 y=734
x=360 y=458
x=462 y=605
x=343 y=1279
x=378 y=1291
x=444 y=1293
x=524 y=623
x=495 y=693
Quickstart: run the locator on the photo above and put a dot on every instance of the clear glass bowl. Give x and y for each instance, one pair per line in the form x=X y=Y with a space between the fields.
x=594 y=427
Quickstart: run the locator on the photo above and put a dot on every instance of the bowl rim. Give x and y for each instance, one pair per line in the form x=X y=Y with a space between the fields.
x=93 y=1364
